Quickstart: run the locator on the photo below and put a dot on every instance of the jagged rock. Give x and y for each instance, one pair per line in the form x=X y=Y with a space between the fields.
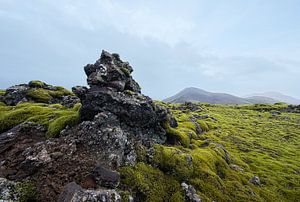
x=115 y=115
x=236 y=167
x=15 y=94
x=189 y=106
x=115 y=120
x=190 y=193
x=255 y=180
x=37 y=91
x=74 y=193
x=105 y=177
x=7 y=190
x=111 y=71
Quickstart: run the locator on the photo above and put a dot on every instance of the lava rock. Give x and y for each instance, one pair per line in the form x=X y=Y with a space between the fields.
x=75 y=193
x=190 y=193
x=105 y=177
x=111 y=71
x=255 y=180
x=7 y=192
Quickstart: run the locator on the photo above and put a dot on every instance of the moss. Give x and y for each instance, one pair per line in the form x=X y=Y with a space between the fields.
x=39 y=95
x=125 y=71
x=141 y=153
x=250 y=135
x=44 y=95
x=2 y=92
x=55 y=119
x=36 y=84
x=26 y=191
x=175 y=136
x=150 y=184
x=55 y=126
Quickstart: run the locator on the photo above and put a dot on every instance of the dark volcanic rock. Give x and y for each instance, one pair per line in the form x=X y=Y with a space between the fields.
x=190 y=193
x=73 y=192
x=37 y=91
x=116 y=120
x=106 y=177
x=111 y=71
x=116 y=116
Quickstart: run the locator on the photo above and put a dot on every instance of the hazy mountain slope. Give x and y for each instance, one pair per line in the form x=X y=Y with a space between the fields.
x=277 y=96
x=199 y=95
x=261 y=99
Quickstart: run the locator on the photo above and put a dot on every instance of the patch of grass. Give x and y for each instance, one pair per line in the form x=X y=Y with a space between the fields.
x=55 y=118
x=2 y=92
x=150 y=184
x=248 y=138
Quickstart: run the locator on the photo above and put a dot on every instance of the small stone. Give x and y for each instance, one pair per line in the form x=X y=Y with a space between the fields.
x=255 y=180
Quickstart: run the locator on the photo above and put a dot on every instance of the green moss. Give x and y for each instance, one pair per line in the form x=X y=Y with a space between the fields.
x=44 y=95
x=39 y=95
x=36 y=84
x=250 y=135
x=150 y=184
x=69 y=119
x=125 y=71
x=26 y=191
x=175 y=136
x=54 y=118
x=2 y=92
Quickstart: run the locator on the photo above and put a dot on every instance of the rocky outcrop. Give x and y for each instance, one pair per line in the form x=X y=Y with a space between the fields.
x=190 y=193
x=115 y=121
x=7 y=190
x=37 y=91
x=73 y=192
x=114 y=114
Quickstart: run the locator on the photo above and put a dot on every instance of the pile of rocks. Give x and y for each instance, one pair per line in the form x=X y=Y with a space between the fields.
x=116 y=121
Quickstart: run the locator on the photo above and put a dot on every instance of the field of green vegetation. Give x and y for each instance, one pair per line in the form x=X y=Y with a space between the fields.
x=235 y=144
x=215 y=148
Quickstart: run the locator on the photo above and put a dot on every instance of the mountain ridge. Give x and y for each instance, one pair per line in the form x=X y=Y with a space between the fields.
x=199 y=95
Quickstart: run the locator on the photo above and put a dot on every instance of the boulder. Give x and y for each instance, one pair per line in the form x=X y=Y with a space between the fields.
x=255 y=180
x=190 y=193
x=75 y=193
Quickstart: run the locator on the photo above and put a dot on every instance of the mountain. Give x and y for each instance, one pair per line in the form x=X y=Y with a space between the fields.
x=276 y=96
x=198 y=95
x=261 y=100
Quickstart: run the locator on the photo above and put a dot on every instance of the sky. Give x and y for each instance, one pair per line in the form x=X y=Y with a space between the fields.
x=232 y=46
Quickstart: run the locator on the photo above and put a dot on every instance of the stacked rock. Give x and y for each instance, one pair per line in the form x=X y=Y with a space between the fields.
x=131 y=117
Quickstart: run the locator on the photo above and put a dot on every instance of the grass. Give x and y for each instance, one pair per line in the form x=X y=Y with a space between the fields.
x=55 y=117
x=247 y=137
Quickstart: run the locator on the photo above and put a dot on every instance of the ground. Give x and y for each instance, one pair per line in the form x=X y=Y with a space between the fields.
x=237 y=143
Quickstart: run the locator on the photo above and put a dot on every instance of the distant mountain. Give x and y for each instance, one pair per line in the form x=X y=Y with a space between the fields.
x=198 y=95
x=276 y=96
x=261 y=100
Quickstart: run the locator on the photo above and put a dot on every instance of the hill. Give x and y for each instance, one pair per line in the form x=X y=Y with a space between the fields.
x=276 y=96
x=198 y=95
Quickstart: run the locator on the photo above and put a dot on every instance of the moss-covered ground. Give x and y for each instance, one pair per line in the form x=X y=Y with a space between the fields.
x=54 y=116
x=236 y=143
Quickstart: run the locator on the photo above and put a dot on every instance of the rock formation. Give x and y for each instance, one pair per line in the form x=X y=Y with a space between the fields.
x=116 y=121
x=38 y=91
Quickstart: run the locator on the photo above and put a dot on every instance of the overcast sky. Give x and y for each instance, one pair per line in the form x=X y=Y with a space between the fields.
x=238 y=47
